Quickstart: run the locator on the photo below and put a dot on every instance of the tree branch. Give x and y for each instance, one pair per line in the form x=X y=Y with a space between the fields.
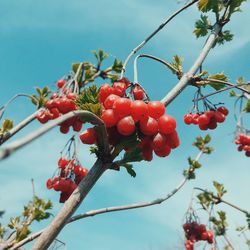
x=103 y=141
x=19 y=126
x=136 y=49
x=184 y=81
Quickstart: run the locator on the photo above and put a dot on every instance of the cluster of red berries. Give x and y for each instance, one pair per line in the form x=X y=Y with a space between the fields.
x=124 y=117
x=69 y=176
x=58 y=105
x=196 y=232
x=243 y=142
x=207 y=119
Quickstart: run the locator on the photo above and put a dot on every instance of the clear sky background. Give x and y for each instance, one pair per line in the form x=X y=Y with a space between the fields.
x=39 y=41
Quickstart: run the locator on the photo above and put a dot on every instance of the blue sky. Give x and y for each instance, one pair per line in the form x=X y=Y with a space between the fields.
x=40 y=40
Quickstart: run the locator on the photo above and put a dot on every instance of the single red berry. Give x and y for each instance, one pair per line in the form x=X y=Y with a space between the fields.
x=173 y=140
x=109 y=101
x=119 y=88
x=138 y=93
x=104 y=92
x=139 y=110
x=126 y=126
x=159 y=141
x=49 y=183
x=121 y=107
x=88 y=136
x=64 y=129
x=60 y=83
x=167 y=124
x=219 y=117
x=163 y=152
x=156 y=109
x=188 y=119
x=223 y=110
x=149 y=126
x=109 y=118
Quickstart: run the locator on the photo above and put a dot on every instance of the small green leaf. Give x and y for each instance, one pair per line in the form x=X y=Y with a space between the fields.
x=7 y=125
x=219 y=76
x=202 y=26
x=219 y=188
x=247 y=107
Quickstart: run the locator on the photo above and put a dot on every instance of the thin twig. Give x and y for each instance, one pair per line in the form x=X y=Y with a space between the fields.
x=223 y=201
x=215 y=92
x=168 y=65
x=228 y=242
x=136 y=49
x=229 y=84
x=19 y=126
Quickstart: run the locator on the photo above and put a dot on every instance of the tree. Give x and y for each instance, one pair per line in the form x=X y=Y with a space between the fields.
x=88 y=100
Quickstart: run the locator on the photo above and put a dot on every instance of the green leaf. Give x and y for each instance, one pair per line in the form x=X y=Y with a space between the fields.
x=219 y=188
x=210 y=5
x=88 y=100
x=22 y=233
x=232 y=93
x=219 y=76
x=225 y=36
x=235 y=5
x=7 y=125
x=177 y=65
x=14 y=221
x=247 y=107
x=201 y=26
x=117 y=66
x=207 y=139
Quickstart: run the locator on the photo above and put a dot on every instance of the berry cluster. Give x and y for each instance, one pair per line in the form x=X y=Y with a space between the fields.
x=196 y=232
x=207 y=119
x=124 y=116
x=243 y=142
x=61 y=104
x=69 y=176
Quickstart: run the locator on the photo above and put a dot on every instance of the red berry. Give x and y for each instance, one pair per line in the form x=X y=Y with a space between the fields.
x=167 y=124
x=156 y=109
x=109 y=118
x=219 y=117
x=49 y=183
x=163 y=152
x=119 y=88
x=159 y=141
x=149 y=126
x=60 y=83
x=188 y=119
x=64 y=129
x=223 y=110
x=126 y=126
x=109 y=101
x=173 y=140
x=139 y=110
x=88 y=136
x=104 y=92
x=121 y=107
x=203 y=119
x=138 y=93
